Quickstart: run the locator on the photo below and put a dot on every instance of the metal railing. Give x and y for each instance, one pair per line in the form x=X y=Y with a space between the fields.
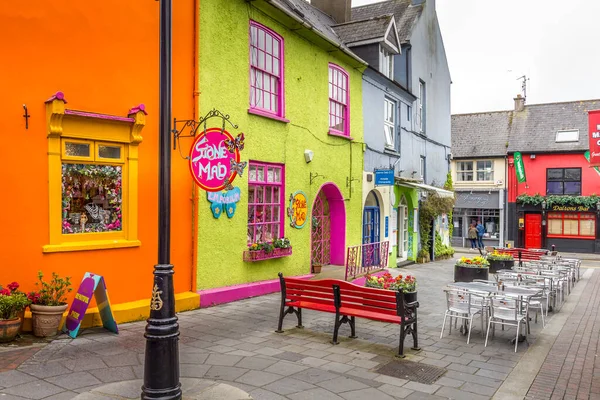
x=365 y=258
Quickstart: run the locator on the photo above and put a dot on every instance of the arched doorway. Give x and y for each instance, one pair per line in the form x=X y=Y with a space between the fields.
x=403 y=229
x=371 y=230
x=328 y=229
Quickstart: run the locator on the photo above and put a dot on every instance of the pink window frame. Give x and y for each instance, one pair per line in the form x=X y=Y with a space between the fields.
x=346 y=114
x=264 y=184
x=280 y=114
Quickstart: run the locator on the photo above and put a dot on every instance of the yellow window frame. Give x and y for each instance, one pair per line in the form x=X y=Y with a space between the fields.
x=97 y=129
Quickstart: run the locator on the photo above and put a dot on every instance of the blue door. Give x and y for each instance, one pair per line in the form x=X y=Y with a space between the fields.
x=371 y=218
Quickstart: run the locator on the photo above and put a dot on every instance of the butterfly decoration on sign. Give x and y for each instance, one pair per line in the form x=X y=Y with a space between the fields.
x=237 y=166
x=237 y=143
x=224 y=202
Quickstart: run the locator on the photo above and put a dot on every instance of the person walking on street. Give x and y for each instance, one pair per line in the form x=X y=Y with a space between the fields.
x=480 y=232
x=473 y=236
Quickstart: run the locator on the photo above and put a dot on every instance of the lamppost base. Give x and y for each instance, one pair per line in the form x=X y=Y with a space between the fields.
x=195 y=389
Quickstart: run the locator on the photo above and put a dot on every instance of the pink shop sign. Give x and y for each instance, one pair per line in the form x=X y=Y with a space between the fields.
x=215 y=159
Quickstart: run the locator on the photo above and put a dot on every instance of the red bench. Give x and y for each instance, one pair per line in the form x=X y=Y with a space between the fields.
x=348 y=301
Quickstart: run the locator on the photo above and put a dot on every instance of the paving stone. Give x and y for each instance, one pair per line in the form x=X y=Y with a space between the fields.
x=289 y=356
x=391 y=380
x=255 y=363
x=313 y=362
x=268 y=351
x=115 y=374
x=74 y=381
x=224 y=373
x=461 y=376
x=337 y=367
x=395 y=391
x=492 y=374
x=490 y=366
x=452 y=393
x=479 y=389
x=341 y=358
x=370 y=393
x=62 y=396
x=342 y=384
x=314 y=375
x=258 y=378
x=14 y=378
x=192 y=371
x=261 y=394
x=294 y=348
x=315 y=394
x=319 y=353
x=45 y=370
x=33 y=390
x=222 y=359
x=122 y=360
x=363 y=373
x=444 y=381
x=421 y=387
x=339 y=350
x=462 y=368
x=93 y=362
x=437 y=363
x=368 y=364
x=288 y=385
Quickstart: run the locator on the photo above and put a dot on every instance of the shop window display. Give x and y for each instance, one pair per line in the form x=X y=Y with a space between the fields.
x=265 y=202
x=581 y=225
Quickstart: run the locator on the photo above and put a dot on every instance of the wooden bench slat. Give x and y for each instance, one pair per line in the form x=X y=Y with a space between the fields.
x=352 y=299
x=376 y=316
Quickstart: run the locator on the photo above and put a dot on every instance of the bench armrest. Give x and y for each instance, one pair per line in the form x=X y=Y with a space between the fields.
x=413 y=305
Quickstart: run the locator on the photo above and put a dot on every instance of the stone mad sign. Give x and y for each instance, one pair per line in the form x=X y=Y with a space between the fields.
x=214 y=159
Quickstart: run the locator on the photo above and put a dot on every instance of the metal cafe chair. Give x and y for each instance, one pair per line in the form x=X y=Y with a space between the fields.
x=464 y=305
x=506 y=310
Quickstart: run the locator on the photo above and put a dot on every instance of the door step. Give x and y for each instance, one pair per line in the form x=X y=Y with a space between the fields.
x=404 y=263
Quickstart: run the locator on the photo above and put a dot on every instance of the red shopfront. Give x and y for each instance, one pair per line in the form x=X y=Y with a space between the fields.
x=571 y=227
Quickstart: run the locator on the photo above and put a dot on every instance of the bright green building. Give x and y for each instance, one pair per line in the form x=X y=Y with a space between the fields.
x=296 y=93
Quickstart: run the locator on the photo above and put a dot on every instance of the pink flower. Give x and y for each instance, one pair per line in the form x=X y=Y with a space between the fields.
x=5 y=292
x=13 y=286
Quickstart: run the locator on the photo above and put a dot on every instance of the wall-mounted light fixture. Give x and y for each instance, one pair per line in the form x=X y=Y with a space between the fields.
x=308 y=155
x=532 y=156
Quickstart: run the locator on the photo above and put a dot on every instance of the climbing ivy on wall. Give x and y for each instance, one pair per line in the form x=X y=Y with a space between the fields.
x=431 y=207
x=449 y=185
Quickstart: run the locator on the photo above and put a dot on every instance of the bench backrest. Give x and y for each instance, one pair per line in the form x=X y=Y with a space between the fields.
x=369 y=299
x=294 y=289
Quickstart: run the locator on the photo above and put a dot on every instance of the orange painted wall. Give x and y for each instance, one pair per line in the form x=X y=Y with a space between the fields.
x=104 y=56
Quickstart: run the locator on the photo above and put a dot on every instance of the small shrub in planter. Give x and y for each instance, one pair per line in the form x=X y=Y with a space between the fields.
x=499 y=261
x=408 y=284
x=12 y=306
x=48 y=304
x=467 y=269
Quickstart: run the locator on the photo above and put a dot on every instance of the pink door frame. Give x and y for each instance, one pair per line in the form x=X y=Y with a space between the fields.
x=337 y=211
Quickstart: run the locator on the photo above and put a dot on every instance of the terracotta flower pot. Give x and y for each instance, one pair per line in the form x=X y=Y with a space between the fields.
x=22 y=317
x=9 y=328
x=45 y=319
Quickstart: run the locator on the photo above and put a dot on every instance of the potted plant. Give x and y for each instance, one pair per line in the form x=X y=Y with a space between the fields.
x=12 y=308
x=316 y=267
x=282 y=246
x=48 y=304
x=467 y=269
x=500 y=261
x=386 y=281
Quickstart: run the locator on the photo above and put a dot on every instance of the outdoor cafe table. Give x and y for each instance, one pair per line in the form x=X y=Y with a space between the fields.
x=510 y=291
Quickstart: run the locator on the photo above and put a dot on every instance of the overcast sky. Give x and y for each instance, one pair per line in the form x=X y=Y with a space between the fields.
x=490 y=43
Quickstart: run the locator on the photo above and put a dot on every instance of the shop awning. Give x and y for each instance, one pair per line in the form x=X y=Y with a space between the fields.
x=425 y=188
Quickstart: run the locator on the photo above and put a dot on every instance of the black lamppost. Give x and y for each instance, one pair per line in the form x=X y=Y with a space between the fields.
x=161 y=365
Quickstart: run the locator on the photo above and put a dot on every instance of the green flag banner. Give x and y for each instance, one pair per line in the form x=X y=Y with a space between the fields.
x=519 y=167
x=587 y=157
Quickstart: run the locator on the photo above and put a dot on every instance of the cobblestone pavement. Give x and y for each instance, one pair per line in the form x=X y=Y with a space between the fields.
x=572 y=368
x=236 y=344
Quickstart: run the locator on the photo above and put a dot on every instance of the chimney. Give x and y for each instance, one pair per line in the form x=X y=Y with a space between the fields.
x=339 y=10
x=519 y=103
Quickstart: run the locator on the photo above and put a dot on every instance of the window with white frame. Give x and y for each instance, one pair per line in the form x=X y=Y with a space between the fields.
x=422 y=105
x=567 y=136
x=389 y=123
x=339 y=99
x=485 y=170
x=386 y=62
x=423 y=171
x=464 y=171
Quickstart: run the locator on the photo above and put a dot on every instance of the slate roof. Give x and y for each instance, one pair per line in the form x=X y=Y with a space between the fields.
x=480 y=135
x=529 y=131
x=405 y=14
x=372 y=28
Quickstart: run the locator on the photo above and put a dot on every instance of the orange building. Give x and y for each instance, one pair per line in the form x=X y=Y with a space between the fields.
x=80 y=156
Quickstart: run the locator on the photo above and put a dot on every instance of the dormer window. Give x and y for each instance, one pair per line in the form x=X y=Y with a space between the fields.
x=386 y=62
x=567 y=136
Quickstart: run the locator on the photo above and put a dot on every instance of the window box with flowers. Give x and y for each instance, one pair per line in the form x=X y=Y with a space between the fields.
x=408 y=284
x=268 y=250
x=468 y=269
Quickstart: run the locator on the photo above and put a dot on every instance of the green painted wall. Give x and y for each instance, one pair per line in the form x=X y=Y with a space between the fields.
x=412 y=200
x=224 y=85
